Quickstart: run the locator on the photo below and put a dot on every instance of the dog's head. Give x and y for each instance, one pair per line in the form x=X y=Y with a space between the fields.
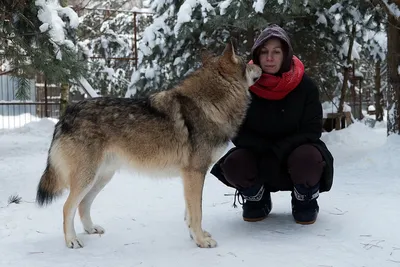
x=233 y=66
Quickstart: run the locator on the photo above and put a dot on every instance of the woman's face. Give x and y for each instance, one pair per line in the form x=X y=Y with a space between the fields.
x=271 y=56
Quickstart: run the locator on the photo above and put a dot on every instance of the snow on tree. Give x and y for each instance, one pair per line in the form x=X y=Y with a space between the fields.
x=351 y=26
x=170 y=45
x=107 y=39
x=319 y=30
x=39 y=38
x=391 y=9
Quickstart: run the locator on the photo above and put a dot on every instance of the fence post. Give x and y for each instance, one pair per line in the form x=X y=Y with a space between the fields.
x=46 y=104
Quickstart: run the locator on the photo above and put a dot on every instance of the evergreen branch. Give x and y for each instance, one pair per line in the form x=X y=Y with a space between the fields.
x=387 y=11
x=14 y=199
x=23 y=88
x=21 y=15
x=88 y=2
x=111 y=15
x=7 y=72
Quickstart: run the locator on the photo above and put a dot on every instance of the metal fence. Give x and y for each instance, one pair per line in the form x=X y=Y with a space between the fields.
x=44 y=99
x=15 y=113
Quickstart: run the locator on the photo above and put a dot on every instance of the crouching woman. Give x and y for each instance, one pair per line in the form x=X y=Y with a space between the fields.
x=278 y=146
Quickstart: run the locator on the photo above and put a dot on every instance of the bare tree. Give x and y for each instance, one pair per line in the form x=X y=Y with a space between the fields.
x=346 y=75
x=393 y=63
x=378 y=92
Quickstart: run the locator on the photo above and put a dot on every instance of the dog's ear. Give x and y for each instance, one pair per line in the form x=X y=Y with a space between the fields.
x=229 y=52
x=234 y=42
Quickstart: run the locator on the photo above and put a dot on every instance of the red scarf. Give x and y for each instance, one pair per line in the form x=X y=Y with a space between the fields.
x=275 y=87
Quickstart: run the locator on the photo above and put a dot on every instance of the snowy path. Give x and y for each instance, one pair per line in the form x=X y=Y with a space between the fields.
x=143 y=218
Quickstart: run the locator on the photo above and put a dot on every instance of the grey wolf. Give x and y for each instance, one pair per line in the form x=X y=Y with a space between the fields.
x=278 y=146
x=180 y=131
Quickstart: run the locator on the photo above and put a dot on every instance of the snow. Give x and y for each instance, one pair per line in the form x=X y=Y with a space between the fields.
x=185 y=12
x=378 y=44
x=335 y=8
x=357 y=225
x=355 y=13
x=143 y=218
x=371 y=108
x=224 y=5
x=87 y=87
x=12 y=122
x=358 y=73
x=258 y=6
x=71 y=14
x=50 y=14
x=394 y=9
x=321 y=18
x=5 y=64
x=355 y=52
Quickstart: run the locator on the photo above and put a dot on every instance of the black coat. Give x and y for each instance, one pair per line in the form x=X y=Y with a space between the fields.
x=274 y=128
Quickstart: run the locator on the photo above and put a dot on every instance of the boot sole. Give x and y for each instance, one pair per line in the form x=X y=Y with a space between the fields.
x=306 y=223
x=254 y=219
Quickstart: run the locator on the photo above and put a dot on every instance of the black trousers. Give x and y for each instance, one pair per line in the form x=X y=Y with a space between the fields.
x=305 y=166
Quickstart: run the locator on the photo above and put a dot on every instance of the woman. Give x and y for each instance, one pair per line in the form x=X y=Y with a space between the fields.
x=278 y=146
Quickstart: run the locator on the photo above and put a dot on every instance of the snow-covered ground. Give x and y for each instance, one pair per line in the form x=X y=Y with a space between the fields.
x=358 y=223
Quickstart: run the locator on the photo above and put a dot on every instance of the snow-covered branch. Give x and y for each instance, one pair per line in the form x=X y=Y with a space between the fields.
x=391 y=9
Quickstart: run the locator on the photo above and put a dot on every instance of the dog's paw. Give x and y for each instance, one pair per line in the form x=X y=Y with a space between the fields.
x=206 y=242
x=74 y=243
x=95 y=229
x=205 y=233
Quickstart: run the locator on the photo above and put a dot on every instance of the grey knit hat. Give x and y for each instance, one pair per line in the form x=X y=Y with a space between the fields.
x=272 y=31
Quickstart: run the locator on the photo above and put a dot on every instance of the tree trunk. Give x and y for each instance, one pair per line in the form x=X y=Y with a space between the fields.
x=378 y=92
x=360 y=98
x=64 y=97
x=393 y=61
x=345 y=77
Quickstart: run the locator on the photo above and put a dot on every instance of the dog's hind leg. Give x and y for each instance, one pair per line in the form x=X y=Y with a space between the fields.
x=81 y=184
x=193 y=182
x=86 y=203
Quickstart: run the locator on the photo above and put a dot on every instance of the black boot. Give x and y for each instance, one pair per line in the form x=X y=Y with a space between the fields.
x=257 y=203
x=304 y=204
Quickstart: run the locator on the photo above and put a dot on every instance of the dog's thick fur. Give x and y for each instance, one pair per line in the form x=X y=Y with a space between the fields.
x=183 y=130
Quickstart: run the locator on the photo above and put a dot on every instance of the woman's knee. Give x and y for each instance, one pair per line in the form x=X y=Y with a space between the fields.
x=306 y=165
x=240 y=168
x=306 y=152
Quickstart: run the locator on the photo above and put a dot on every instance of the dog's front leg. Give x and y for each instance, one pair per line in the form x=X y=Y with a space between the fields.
x=193 y=182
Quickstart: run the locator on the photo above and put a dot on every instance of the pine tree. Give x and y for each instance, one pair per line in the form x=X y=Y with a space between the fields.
x=170 y=47
x=34 y=45
x=318 y=30
x=171 y=50
x=349 y=26
x=106 y=38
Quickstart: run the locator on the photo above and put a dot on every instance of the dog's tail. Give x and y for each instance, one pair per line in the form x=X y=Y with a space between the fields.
x=51 y=184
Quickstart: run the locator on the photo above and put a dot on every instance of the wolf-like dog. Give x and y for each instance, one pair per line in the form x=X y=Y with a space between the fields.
x=179 y=131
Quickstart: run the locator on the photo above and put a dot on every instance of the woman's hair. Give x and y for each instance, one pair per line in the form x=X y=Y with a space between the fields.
x=274 y=31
